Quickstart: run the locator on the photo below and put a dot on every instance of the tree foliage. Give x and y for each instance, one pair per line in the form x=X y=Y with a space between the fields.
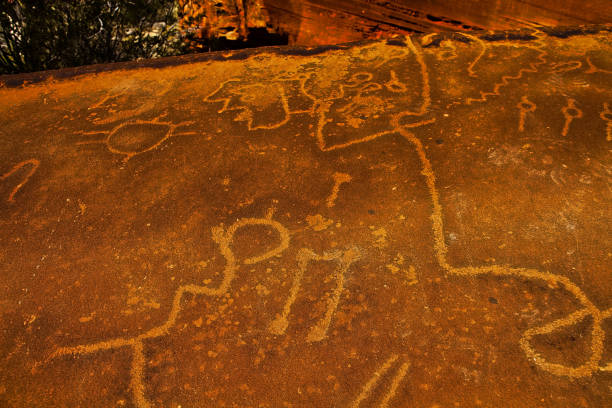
x=48 y=34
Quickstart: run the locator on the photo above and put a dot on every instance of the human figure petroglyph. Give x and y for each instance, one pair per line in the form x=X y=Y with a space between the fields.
x=135 y=137
x=570 y=112
x=35 y=163
x=224 y=238
x=363 y=99
x=524 y=106
x=369 y=95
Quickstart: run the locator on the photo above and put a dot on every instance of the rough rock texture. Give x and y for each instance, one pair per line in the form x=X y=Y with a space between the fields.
x=415 y=223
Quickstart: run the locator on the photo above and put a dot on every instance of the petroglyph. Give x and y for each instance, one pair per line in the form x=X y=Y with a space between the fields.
x=524 y=106
x=339 y=179
x=365 y=106
x=135 y=137
x=570 y=112
x=532 y=67
x=31 y=162
x=594 y=69
x=110 y=106
x=223 y=238
x=565 y=66
x=305 y=256
x=588 y=308
x=370 y=386
x=363 y=336
x=257 y=104
x=606 y=115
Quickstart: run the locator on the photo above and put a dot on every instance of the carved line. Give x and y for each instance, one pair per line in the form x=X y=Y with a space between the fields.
x=344 y=259
x=593 y=69
x=606 y=115
x=589 y=309
x=371 y=384
x=34 y=162
x=397 y=380
x=566 y=66
x=129 y=113
x=533 y=67
x=339 y=179
x=223 y=238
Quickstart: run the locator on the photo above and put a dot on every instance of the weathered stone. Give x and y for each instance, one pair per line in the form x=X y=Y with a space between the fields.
x=414 y=223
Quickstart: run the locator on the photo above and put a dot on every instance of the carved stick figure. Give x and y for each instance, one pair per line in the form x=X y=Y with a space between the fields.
x=524 y=106
x=571 y=112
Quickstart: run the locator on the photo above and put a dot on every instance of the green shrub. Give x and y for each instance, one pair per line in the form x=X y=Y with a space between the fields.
x=48 y=34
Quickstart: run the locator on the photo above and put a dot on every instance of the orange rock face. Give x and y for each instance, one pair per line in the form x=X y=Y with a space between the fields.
x=415 y=223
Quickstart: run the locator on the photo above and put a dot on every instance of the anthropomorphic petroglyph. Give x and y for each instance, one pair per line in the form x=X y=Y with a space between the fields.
x=570 y=113
x=224 y=238
x=261 y=106
x=524 y=106
x=370 y=98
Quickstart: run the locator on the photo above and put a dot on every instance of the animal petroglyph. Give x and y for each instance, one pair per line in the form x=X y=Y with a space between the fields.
x=305 y=256
x=111 y=107
x=258 y=104
x=223 y=238
x=524 y=106
x=397 y=379
x=570 y=112
x=31 y=162
x=136 y=136
x=339 y=179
